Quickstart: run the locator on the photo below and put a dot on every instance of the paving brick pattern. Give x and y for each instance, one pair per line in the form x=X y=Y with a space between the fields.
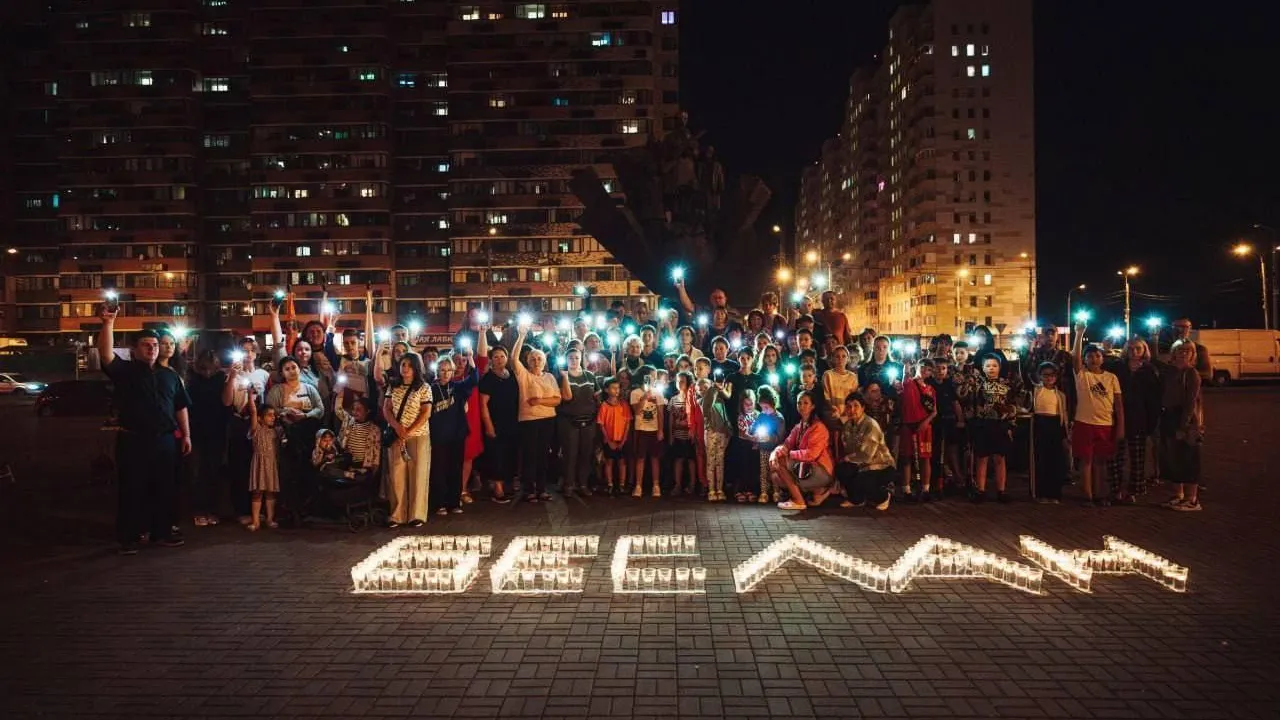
x=240 y=625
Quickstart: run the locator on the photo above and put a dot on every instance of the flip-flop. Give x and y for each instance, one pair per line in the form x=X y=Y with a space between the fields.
x=788 y=505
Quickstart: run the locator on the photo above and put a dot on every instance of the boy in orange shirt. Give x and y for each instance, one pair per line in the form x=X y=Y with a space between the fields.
x=614 y=419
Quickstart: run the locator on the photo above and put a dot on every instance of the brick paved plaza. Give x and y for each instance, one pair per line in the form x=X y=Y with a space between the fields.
x=241 y=625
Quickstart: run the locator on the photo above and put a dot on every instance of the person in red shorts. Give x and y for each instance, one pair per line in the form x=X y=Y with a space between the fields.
x=1099 y=419
x=919 y=408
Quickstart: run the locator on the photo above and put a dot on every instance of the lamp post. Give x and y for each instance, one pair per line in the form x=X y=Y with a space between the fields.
x=1275 y=272
x=1070 y=318
x=1031 y=286
x=1127 y=273
x=1244 y=250
x=960 y=275
x=784 y=277
x=488 y=256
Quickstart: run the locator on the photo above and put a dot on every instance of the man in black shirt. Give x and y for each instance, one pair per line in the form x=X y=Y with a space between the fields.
x=151 y=404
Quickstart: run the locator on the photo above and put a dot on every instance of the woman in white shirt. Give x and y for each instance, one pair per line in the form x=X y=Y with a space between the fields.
x=407 y=408
x=539 y=397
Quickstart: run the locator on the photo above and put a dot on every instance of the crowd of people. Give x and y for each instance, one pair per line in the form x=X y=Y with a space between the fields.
x=697 y=401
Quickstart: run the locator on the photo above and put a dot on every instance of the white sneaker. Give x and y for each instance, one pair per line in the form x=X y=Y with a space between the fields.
x=657 y=492
x=638 y=492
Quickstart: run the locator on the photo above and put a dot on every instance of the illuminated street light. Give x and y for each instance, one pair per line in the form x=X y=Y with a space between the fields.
x=1127 y=273
x=777 y=228
x=493 y=231
x=819 y=281
x=846 y=257
x=1244 y=250
x=811 y=257
x=784 y=275
x=13 y=251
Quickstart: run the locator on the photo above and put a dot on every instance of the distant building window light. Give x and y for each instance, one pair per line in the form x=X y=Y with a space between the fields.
x=496 y=218
x=973 y=238
x=440 y=109
x=628 y=97
x=986 y=279
x=668 y=17
x=972 y=133
x=367 y=74
x=51 y=88
x=407 y=80
x=217 y=141
x=560 y=102
x=955 y=238
x=986 y=71
x=220 y=84
x=469 y=12
x=303 y=251
x=969 y=50
x=531 y=11
x=138 y=20
x=500 y=101
x=955 y=51
x=629 y=127
x=34 y=202
x=213 y=29
x=442 y=167
x=439 y=80
x=970 y=70
x=443 y=223
x=559 y=12
x=494 y=16
x=608 y=187
x=986 y=50
x=601 y=39
x=301 y=193
x=82 y=24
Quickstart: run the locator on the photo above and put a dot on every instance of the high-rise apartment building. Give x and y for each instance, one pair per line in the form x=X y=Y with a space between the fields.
x=195 y=156
x=934 y=216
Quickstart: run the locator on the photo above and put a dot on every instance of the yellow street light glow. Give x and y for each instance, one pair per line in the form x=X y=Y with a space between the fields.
x=1131 y=270
x=493 y=231
x=963 y=272
x=811 y=257
x=777 y=228
x=784 y=275
x=1242 y=249
x=847 y=257
x=13 y=251
x=1024 y=256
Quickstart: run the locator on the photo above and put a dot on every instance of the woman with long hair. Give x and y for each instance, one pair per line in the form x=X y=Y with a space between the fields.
x=1140 y=393
x=539 y=398
x=577 y=424
x=407 y=410
x=299 y=409
x=803 y=462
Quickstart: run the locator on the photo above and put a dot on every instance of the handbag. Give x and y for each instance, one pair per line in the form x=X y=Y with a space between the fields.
x=389 y=436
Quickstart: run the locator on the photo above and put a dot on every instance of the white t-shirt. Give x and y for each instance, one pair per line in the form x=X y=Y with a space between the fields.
x=1096 y=395
x=536 y=386
x=647 y=417
x=1046 y=401
x=240 y=396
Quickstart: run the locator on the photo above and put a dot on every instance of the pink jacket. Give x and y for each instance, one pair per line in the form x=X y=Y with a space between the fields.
x=811 y=444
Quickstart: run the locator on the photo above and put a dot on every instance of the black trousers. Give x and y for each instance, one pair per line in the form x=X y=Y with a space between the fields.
x=239 y=458
x=869 y=486
x=1051 y=459
x=146 y=484
x=578 y=449
x=446 y=474
x=535 y=445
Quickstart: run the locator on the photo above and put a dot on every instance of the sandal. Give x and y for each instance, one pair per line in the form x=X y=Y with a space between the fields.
x=467 y=499
x=790 y=505
x=251 y=527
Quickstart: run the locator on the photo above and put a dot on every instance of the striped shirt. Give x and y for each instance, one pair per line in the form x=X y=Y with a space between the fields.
x=412 y=408
x=362 y=439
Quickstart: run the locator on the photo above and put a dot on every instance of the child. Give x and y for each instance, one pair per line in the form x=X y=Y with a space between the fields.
x=327 y=458
x=947 y=438
x=1049 y=436
x=359 y=436
x=919 y=408
x=681 y=451
x=994 y=412
x=701 y=371
x=647 y=405
x=1099 y=420
x=614 y=419
x=716 y=430
x=743 y=458
x=264 y=473
x=767 y=432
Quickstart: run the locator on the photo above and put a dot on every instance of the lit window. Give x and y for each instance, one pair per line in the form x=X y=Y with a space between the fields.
x=970 y=70
x=369 y=191
x=344 y=279
x=213 y=29
x=500 y=101
x=301 y=193
x=608 y=187
x=986 y=50
x=627 y=97
x=560 y=102
x=51 y=88
x=972 y=133
x=668 y=17
x=138 y=19
x=442 y=167
x=601 y=39
x=973 y=238
x=629 y=127
x=969 y=50
x=559 y=12
x=344 y=48
x=217 y=141
x=955 y=238
x=407 y=80
x=216 y=84
x=82 y=24
x=34 y=202
x=495 y=218
x=955 y=51
x=443 y=224
x=494 y=16
x=986 y=71
x=438 y=80
x=215 y=3
x=904 y=92
x=440 y=109
x=302 y=251
x=367 y=74
x=469 y=12
x=531 y=11
x=986 y=279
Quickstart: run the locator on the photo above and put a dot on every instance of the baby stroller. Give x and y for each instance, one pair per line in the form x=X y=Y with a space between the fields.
x=340 y=490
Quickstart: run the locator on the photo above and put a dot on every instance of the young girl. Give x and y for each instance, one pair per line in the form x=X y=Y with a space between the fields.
x=264 y=475
x=767 y=433
x=1049 y=436
x=614 y=419
x=716 y=432
x=743 y=459
x=681 y=450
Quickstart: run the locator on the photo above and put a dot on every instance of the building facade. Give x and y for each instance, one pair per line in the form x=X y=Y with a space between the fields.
x=935 y=212
x=196 y=156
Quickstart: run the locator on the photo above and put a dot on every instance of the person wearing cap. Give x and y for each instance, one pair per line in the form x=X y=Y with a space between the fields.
x=151 y=403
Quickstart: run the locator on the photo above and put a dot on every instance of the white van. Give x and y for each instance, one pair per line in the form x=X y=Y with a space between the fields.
x=1242 y=354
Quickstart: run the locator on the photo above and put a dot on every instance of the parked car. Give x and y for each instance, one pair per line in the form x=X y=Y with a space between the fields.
x=17 y=384
x=75 y=397
x=1241 y=354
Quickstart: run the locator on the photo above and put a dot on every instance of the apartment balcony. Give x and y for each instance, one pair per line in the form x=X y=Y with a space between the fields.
x=265 y=89
x=26 y=325
x=330 y=263
x=73 y=205
x=330 y=232
x=308 y=147
x=422 y=291
x=517 y=84
x=524 y=172
x=227 y=294
x=301 y=175
x=405 y=264
x=472 y=230
x=37 y=297
x=116 y=179
x=128 y=265
x=321 y=204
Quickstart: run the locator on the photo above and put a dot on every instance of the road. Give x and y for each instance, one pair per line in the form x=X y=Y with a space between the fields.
x=236 y=624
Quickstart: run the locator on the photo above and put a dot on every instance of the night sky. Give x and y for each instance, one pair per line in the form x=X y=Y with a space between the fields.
x=1158 y=133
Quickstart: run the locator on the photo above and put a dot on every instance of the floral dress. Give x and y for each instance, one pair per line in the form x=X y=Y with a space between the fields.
x=264 y=472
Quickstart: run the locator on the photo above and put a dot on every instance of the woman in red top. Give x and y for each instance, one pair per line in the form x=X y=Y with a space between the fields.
x=803 y=463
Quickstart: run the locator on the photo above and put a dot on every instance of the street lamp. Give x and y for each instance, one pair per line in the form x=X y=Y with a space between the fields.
x=1070 y=317
x=1127 y=273
x=1031 y=284
x=811 y=257
x=1244 y=250
x=1275 y=285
